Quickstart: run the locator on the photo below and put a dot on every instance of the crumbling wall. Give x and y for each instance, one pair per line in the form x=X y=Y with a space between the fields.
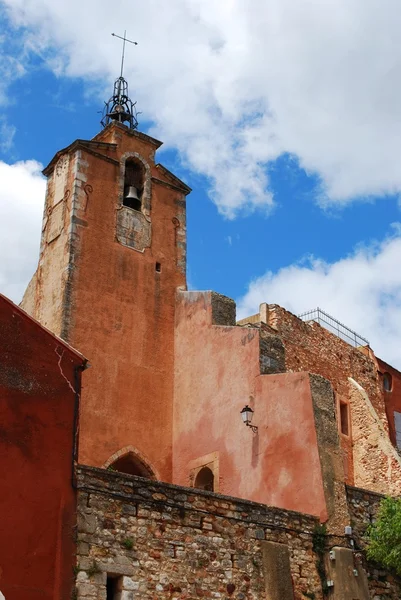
x=392 y=397
x=310 y=347
x=377 y=462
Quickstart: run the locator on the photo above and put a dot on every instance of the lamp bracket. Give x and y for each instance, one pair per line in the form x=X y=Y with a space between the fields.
x=253 y=427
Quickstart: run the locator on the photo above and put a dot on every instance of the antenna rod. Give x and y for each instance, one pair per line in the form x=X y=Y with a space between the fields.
x=123 y=53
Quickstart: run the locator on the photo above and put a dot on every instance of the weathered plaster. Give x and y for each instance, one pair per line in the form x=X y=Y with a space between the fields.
x=217 y=372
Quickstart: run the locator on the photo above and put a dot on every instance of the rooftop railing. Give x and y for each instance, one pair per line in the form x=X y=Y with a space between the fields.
x=331 y=324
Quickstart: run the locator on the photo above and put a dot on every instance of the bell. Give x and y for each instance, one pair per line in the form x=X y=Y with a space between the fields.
x=119 y=114
x=132 y=193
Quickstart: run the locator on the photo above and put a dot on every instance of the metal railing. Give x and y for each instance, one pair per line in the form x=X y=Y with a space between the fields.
x=334 y=326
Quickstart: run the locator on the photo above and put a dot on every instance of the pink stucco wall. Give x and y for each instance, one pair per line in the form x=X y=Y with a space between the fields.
x=216 y=372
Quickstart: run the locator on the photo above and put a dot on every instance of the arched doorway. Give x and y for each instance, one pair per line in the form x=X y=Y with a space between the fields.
x=205 y=480
x=131 y=465
x=128 y=461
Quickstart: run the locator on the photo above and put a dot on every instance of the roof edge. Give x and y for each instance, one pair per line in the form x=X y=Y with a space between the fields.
x=175 y=180
x=24 y=314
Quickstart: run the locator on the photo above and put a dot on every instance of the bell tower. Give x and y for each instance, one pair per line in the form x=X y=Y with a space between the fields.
x=113 y=253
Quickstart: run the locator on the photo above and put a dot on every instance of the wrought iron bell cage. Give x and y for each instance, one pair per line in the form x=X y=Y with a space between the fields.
x=120 y=107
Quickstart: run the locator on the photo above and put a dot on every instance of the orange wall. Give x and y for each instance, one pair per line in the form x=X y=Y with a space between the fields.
x=122 y=318
x=216 y=370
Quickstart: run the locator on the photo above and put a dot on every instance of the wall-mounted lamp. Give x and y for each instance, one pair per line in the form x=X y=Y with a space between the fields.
x=247 y=414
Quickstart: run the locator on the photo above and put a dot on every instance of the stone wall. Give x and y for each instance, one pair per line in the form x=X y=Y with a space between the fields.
x=311 y=347
x=377 y=464
x=363 y=506
x=156 y=541
x=164 y=541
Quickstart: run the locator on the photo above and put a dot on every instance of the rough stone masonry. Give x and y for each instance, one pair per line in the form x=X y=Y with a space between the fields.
x=144 y=539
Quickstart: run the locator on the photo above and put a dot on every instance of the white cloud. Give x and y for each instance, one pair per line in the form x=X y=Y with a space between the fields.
x=22 y=192
x=232 y=84
x=363 y=291
x=7 y=133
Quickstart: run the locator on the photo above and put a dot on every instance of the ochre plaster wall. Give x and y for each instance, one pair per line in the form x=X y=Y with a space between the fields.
x=217 y=372
x=109 y=301
x=123 y=318
x=37 y=499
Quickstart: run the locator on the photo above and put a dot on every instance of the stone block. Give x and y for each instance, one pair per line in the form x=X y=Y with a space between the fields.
x=277 y=571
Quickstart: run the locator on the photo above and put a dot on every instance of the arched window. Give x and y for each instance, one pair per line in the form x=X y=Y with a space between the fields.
x=133 y=184
x=205 y=480
x=131 y=465
x=387 y=382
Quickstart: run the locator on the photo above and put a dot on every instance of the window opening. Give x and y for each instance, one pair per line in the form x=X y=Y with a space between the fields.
x=205 y=480
x=344 y=418
x=387 y=382
x=158 y=267
x=133 y=185
x=113 y=587
x=131 y=465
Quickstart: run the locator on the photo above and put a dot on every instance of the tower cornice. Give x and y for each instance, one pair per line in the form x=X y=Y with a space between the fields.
x=88 y=145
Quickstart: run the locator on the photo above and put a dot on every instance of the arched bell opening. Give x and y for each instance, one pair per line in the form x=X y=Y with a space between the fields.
x=134 y=178
x=131 y=465
x=205 y=480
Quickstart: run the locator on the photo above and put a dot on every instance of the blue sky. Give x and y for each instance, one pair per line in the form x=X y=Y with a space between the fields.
x=291 y=143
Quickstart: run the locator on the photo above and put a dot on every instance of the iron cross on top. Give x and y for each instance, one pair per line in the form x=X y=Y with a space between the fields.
x=124 y=40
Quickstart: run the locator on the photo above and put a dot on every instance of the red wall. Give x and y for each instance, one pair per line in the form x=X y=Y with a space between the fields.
x=37 y=500
x=216 y=371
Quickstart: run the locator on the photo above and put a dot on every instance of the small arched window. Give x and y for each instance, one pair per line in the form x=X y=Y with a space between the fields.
x=133 y=184
x=387 y=382
x=205 y=480
x=131 y=465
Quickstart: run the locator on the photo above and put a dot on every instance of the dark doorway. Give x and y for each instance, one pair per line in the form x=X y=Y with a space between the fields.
x=131 y=465
x=205 y=480
x=112 y=587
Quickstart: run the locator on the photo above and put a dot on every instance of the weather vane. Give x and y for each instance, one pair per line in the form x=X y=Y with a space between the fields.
x=120 y=107
x=123 y=54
